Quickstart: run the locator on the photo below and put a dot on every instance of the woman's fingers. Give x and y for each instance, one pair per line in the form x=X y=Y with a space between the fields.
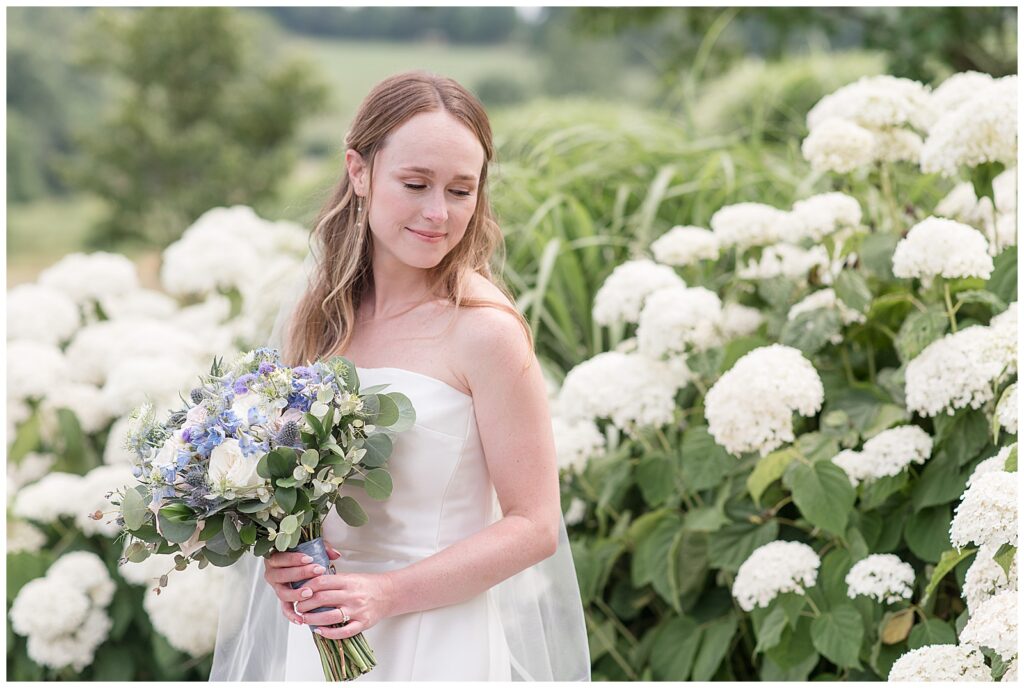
x=328 y=618
x=286 y=593
x=337 y=632
x=333 y=553
x=285 y=559
x=291 y=574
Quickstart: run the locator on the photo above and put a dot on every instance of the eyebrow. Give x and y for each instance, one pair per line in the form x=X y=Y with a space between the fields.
x=430 y=173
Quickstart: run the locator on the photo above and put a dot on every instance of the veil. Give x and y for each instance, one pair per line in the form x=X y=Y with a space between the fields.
x=540 y=609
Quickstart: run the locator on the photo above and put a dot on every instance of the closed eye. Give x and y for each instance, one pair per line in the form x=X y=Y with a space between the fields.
x=420 y=187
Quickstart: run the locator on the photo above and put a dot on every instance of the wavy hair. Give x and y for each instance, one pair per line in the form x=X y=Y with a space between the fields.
x=322 y=323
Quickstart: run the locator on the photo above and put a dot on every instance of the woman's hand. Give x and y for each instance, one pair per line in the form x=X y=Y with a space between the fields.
x=282 y=568
x=365 y=597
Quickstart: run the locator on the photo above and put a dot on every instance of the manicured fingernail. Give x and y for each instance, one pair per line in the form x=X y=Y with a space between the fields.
x=307 y=560
x=318 y=631
x=307 y=592
x=318 y=570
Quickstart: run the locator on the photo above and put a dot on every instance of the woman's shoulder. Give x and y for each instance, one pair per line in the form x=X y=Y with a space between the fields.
x=489 y=335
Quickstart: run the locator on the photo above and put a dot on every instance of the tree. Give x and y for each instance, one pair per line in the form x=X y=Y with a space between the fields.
x=202 y=122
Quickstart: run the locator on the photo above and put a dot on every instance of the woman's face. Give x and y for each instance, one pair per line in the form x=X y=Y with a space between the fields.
x=424 y=188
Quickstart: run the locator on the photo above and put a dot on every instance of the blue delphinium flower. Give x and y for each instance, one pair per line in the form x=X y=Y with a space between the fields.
x=205 y=443
x=230 y=421
x=266 y=368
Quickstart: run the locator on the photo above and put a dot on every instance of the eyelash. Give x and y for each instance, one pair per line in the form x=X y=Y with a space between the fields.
x=420 y=187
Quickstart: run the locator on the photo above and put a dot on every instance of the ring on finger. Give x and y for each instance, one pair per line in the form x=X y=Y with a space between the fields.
x=344 y=616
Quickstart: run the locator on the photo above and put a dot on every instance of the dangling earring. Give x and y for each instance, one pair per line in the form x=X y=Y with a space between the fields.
x=359 y=213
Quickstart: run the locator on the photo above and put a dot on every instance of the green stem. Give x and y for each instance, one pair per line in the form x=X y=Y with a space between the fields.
x=846 y=364
x=597 y=630
x=817 y=612
x=890 y=200
x=603 y=606
x=950 y=311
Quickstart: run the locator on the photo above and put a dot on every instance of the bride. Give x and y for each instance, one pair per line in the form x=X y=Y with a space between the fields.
x=465 y=572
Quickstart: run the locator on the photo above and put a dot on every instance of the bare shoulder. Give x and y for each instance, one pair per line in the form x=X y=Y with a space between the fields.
x=488 y=339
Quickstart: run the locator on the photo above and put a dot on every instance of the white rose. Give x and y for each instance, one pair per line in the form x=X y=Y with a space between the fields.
x=230 y=469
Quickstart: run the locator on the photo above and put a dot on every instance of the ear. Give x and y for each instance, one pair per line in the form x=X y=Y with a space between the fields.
x=357 y=170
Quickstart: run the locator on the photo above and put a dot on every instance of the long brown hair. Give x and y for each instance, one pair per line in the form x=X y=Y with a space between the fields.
x=322 y=323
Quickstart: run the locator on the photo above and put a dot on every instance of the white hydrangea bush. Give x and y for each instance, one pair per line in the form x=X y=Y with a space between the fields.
x=86 y=338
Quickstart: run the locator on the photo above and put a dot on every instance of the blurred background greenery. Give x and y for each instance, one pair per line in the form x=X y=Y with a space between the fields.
x=124 y=125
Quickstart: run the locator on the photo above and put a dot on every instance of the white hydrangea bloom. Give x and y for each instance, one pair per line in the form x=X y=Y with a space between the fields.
x=994 y=625
x=148 y=571
x=750 y=408
x=987 y=513
x=892 y=450
x=981 y=129
x=49 y=498
x=41 y=314
x=675 y=320
x=207 y=315
x=885 y=454
x=954 y=372
x=95 y=485
x=772 y=569
x=957 y=89
x=785 y=260
x=98 y=349
x=898 y=145
x=91 y=277
x=857 y=467
x=685 y=245
x=993 y=463
x=139 y=303
x=1000 y=224
x=185 y=612
x=87 y=572
x=1006 y=411
x=154 y=377
x=576 y=511
x=194 y=264
x=739 y=320
x=622 y=295
x=33 y=369
x=30 y=468
x=22 y=536
x=85 y=400
x=262 y=296
x=632 y=390
x=48 y=608
x=937 y=247
x=826 y=298
x=77 y=649
x=115 y=451
x=575 y=442
x=876 y=102
x=884 y=577
x=940 y=663
x=825 y=214
x=985 y=578
x=1003 y=349
x=750 y=224
x=838 y=145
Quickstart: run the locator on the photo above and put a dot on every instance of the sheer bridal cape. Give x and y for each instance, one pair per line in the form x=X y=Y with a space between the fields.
x=529 y=627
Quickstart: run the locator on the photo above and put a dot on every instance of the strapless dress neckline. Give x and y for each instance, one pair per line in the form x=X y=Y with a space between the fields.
x=423 y=376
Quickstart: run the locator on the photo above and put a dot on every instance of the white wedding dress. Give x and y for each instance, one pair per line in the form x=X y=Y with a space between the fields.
x=442 y=494
x=529 y=627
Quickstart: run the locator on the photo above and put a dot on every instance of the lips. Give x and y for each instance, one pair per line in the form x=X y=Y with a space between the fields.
x=426 y=233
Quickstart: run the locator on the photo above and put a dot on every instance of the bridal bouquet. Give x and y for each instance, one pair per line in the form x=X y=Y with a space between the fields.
x=254 y=462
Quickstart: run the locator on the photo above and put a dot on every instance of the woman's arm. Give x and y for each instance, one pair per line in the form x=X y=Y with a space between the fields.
x=510 y=400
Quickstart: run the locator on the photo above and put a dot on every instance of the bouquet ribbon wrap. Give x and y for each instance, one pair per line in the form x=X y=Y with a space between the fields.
x=318 y=551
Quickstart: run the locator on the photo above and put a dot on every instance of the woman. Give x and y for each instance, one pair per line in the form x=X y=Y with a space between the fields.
x=464 y=572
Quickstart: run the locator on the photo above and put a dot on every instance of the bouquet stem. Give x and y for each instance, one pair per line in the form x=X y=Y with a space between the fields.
x=345 y=659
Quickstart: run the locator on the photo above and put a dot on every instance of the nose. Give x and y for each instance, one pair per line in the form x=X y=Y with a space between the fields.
x=436 y=209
